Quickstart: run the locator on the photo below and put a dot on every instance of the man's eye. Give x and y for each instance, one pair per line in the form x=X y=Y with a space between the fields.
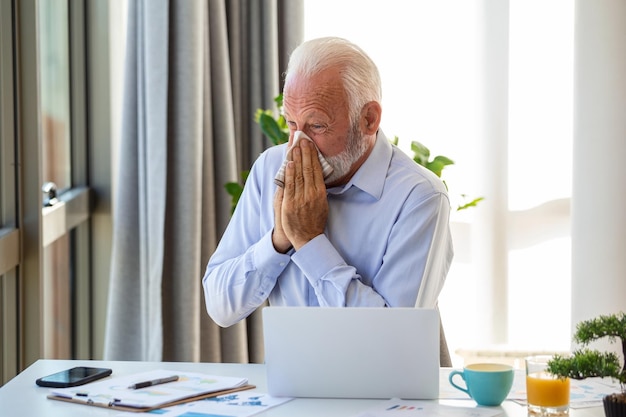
x=318 y=129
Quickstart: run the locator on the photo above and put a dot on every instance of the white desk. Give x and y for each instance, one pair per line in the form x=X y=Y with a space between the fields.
x=20 y=397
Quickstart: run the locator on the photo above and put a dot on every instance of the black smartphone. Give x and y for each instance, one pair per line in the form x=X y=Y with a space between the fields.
x=74 y=377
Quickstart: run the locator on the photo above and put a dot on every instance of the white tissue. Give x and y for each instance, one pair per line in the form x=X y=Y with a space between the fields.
x=280 y=175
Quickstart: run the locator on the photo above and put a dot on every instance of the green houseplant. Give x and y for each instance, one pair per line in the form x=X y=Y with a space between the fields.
x=276 y=129
x=587 y=363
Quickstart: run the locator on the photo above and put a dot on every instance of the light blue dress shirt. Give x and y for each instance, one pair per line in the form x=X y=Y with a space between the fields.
x=387 y=238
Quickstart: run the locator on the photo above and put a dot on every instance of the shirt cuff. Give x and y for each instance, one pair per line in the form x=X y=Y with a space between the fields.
x=267 y=260
x=317 y=258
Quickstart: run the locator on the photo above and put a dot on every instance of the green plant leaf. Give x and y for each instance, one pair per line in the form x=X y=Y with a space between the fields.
x=235 y=189
x=279 y=101
x=611 y=326
x=438 y=164
x=586 y=364
x=420 y=153
x=271 y=129
x=435 y=167
x=444 y=160
x=467 y=205
x=282 y=124
x=259 y=112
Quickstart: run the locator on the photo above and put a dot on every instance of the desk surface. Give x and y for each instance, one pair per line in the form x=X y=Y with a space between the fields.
x=20 y=397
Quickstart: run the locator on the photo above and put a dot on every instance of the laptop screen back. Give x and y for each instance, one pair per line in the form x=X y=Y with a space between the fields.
x=329 y=352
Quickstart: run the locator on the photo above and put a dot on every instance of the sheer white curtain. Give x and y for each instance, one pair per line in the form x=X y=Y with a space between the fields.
x=487 y=83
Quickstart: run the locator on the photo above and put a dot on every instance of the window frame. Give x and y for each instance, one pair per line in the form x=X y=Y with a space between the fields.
x=9 y=233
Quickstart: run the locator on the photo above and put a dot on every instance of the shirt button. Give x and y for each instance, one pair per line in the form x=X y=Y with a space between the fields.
x=282 y=264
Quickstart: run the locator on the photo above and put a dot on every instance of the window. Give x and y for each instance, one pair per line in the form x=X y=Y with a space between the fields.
x=429 y=56
x=56 y=135
x=54 y=64
x=51 y=271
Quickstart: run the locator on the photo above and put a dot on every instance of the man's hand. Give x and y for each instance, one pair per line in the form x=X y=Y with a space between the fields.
x=279 y=239
x=301 y=208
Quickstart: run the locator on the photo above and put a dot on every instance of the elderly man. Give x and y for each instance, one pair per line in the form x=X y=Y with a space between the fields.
x=353 y=220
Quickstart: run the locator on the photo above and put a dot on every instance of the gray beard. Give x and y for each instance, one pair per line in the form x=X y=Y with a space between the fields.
x=343 y=162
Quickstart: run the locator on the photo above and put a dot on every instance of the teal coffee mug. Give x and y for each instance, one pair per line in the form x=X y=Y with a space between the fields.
x=487 y=383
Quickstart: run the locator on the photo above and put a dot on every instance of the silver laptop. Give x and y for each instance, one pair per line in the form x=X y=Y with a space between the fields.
x=356 y=352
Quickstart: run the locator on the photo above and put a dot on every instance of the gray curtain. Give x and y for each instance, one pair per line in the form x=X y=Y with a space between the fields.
x=196 y=71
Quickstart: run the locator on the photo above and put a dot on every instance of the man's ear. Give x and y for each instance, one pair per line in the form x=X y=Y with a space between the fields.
x=370 y=117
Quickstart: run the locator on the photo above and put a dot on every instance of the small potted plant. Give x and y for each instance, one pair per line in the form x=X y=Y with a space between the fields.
x=587 y=363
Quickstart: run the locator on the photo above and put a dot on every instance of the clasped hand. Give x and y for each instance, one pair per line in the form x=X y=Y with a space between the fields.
x=301 y=207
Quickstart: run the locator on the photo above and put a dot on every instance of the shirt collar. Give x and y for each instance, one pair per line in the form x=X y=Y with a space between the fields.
x=370 y=177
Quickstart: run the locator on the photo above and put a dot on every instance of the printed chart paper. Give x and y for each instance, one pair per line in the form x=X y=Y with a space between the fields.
x=408 y=408
x=238 y=404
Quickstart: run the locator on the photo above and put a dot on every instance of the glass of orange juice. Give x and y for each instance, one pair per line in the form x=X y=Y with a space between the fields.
x=547 y=395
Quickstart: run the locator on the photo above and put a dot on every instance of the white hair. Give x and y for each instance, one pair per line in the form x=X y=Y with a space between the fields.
x=360 y=76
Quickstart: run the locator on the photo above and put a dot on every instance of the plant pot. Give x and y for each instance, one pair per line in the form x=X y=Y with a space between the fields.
x=615 y=405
